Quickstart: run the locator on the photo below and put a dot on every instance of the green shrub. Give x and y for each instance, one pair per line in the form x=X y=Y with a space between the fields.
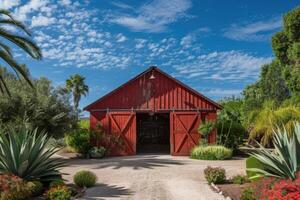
x=231 y=134
x=13 y=188
x=26 y=154
x=84 y=124
x=215 y=174
x=85 y=179
x=60 y=192
x=239 y=179
x=252 y=162
x=36 y=188
x=97 y=152
x=56 y=183
x=204 y=129
x=211 y=152
x=79 y=140
x=248 y=194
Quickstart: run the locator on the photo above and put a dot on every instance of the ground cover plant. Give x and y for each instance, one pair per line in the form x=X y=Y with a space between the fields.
x=60 y=192
x=13 y=187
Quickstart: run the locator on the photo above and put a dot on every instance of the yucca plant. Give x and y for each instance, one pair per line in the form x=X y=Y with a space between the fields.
x=284 y=160
x=28 y=156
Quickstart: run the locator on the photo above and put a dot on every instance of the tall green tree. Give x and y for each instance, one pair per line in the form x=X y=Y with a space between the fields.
x=76 y=85
x=22 y=41
x=272 y=83
x=286 y=47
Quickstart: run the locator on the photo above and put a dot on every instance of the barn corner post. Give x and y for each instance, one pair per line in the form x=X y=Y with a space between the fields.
x=167 y=103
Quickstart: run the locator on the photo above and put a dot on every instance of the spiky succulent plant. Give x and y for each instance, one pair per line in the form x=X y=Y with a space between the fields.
x=27 y=155
x=284 y=160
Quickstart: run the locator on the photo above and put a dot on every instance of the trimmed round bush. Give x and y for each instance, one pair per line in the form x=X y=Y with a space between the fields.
x=36 y=188
x=85 y=179
x=211 y=152
x=215 y=174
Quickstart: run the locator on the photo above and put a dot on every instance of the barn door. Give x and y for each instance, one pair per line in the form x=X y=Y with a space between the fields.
x=123 y=125
x=184 y=134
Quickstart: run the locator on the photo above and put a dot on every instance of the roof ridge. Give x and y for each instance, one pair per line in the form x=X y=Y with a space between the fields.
x=161 y=72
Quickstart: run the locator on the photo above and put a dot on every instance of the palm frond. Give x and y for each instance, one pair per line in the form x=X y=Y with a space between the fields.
x=16 y=24
x=6 y=48
x=8 y=59
x=24 y=43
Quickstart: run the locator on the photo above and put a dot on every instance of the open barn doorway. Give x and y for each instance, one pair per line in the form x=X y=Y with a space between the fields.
x=153 y=133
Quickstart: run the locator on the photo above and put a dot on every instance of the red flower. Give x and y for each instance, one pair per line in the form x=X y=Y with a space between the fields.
x=278 y=189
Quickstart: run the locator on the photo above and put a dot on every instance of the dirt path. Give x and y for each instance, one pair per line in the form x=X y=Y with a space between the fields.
x=151 y=177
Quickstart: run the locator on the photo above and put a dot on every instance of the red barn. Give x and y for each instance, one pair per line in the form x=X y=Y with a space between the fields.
x=153 y=112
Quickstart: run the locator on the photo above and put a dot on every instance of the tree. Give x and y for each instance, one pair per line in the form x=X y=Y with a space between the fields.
x=76 y=85
x=272 y=84
x=286 y=46
x=46 y=107
x=23 y=42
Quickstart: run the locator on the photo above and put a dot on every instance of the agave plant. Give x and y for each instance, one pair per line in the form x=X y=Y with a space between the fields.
x=284 y=161
x=28 y=156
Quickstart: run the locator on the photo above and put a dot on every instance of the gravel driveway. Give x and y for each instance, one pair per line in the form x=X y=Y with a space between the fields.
x=151 y=177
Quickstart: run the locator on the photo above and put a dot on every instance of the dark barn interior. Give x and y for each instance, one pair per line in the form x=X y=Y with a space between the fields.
x=153 y=133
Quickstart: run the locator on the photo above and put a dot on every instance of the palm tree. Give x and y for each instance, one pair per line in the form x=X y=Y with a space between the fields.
x=23 y=42
x=77 y=86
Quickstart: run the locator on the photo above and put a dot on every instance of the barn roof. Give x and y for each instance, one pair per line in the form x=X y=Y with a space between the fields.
x=156 y=69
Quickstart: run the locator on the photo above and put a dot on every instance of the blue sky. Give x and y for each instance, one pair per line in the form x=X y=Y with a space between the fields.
x=216 y=47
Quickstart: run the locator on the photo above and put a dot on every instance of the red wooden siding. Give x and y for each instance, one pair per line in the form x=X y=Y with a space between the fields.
x=161 y=93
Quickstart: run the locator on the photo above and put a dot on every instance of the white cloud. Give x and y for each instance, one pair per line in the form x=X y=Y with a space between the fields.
x=187 y=41
x=42 y=21
x=155 y=16
x=33 y=5
x=223 y=66
x=121 y=38
x=221 y=92
x=65 y=2
x=121 y=5
x=257 y=31
x=140 y=43
x=191 y=38
x=8 y=4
